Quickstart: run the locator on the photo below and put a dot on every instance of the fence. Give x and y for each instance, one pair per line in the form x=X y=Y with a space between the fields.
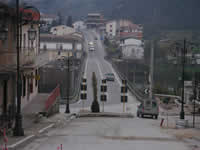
x=52 y=98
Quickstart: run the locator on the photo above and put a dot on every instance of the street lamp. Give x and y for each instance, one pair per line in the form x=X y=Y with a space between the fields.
x=32 y=33
x=68 y=63
x=18 y=130
x=181 y=52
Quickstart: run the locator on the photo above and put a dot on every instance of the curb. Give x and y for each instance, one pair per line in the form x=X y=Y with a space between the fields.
x=119 y=115
x=28 y=138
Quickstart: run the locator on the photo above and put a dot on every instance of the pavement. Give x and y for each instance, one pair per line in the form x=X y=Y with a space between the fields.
x=32 y=122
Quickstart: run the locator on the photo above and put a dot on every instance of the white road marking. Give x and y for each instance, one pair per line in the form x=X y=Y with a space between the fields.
x=50 y=126
x=99 y=70
x=20 y=142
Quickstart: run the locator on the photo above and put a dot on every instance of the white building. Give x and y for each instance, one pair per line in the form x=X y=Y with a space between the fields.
x=111 y=28
x=79 y=25
x=62 y=30
x=61 y=45
x=132 y=48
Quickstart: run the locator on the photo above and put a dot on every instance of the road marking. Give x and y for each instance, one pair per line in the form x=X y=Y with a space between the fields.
x=20 y=142
x=99 y=70
x=50 y=126
x=86 y=66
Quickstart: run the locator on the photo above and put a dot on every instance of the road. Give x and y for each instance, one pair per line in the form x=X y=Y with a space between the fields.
x=106 y=133
x=96 y=63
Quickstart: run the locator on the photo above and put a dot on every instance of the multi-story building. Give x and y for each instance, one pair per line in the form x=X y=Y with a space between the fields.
x=59 y=47
x=28 y=51
x=95 y=20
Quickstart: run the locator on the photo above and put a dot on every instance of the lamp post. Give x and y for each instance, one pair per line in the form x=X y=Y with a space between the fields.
x=18 y=130
x=182 y=51
x=68 y=63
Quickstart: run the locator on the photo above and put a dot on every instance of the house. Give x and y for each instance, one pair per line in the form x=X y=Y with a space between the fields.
x=79 y=25
x=132 y=48
x=95 y=20
x=28 y=51
x=62 y=30
x=111 y=28
x=58 y=47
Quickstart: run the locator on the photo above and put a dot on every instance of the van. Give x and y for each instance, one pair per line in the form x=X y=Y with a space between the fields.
x=148 y=107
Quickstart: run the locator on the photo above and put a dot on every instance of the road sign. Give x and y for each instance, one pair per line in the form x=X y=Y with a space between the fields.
x=124 y=89
x=124 y=99
x=103 y=88
x=146 y=91
x=84 y=80
x=83 y=96
x=83 y=87
x=103 y=98
x=124 y=81
x=104 y=81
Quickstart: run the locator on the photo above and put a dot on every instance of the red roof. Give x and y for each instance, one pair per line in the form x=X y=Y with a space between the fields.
x=138 y=35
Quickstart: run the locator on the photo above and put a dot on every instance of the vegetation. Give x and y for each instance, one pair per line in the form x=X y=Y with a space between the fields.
x=95 y=104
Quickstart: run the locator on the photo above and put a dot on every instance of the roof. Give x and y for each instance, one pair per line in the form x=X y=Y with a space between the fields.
x=126 y=35
x=56 y=38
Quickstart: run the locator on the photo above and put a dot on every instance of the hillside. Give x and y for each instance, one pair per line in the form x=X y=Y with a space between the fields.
x=163 y=13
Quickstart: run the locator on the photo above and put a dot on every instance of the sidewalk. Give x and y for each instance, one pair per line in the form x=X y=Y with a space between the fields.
x=31 y=124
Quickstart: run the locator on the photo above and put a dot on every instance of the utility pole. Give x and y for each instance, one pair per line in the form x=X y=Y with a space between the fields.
x=151 y=70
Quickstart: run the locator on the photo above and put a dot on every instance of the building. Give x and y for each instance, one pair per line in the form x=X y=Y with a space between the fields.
x=58 y=47
x=95 y=20
x=62 y=30
x=78 y=25
x=111 y=28
x=8 y=58
x=132 y=48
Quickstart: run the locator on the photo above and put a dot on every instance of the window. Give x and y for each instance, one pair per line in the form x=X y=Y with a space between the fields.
x=45 y=47
x=36 y=79
x=24 y=86
x=110 y=30
x=31 y=83
x=24 y=40
x=111 y=25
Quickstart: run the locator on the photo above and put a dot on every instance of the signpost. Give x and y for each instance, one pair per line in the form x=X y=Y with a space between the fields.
x=103 y=97
x=83 y=91
x=124 y=91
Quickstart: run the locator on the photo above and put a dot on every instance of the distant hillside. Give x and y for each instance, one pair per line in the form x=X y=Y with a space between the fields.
x=162 y=13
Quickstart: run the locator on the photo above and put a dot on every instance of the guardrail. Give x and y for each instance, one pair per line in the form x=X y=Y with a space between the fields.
x=52 y=98
x=136 y=92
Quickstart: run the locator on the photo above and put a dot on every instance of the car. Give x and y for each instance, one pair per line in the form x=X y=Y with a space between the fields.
x=110 y=77
x=148 y=107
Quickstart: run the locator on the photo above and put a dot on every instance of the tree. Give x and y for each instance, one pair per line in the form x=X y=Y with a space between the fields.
x=95 y=104
x=69 y=21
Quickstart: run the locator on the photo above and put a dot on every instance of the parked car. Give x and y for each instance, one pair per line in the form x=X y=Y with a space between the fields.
x=110 y=77
x=148 y=107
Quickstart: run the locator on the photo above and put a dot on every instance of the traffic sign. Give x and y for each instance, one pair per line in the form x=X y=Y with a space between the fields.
x=124 y=99
x=124 y=89
x=83 y=87
x=103 y=88
x=146 y=91
x=83 y=96
x=124 y=81
x=103 y=98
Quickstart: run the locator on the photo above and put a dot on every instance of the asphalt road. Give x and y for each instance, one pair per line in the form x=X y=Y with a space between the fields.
x=106 y=133
x=96 y=63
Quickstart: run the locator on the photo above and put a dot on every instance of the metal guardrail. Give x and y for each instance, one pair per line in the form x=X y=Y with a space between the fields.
x=136 y=92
